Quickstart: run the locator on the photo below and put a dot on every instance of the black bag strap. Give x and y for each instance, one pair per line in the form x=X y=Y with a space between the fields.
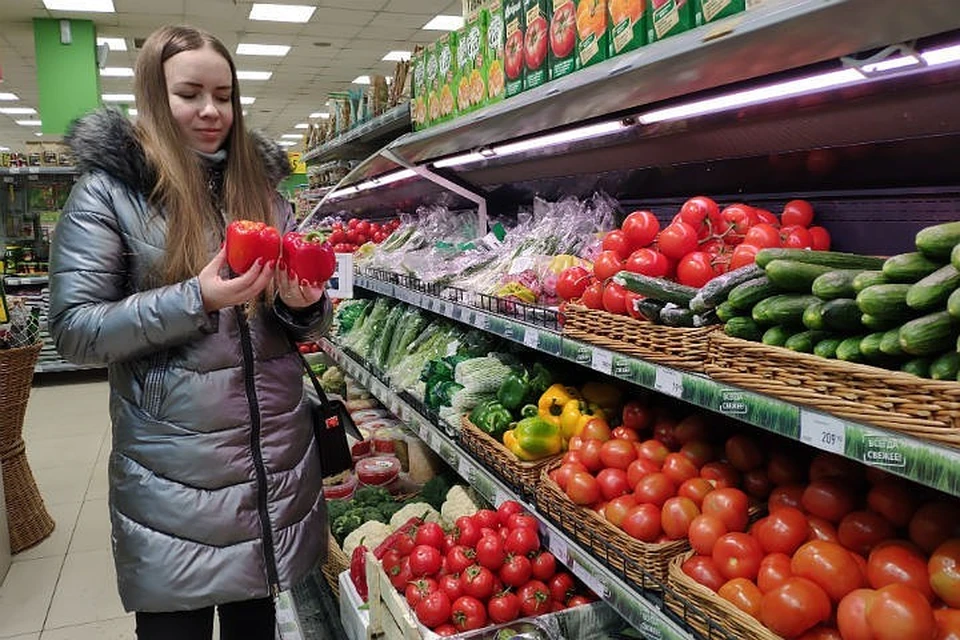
x=324 y=401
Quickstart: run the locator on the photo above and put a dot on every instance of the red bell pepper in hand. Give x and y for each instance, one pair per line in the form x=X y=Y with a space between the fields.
x=358 y=570
x=309 y=257
x=248 y=241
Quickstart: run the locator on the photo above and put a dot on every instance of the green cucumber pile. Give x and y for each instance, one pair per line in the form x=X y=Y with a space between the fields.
x=900 y=313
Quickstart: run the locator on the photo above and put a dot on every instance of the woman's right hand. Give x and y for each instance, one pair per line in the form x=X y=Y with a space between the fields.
x=218 y=292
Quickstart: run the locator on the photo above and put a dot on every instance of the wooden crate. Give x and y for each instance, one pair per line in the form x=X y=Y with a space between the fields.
x=390 y=617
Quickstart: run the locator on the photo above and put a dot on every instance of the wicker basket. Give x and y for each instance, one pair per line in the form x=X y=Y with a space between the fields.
x=926 y=409
x=337 y=562
x=27 y=517
x=710 y=614
x=643 y=564
x=670 y=346
x=523 y=477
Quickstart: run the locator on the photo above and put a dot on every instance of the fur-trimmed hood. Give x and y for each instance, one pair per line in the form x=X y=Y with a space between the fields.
x=105 y=140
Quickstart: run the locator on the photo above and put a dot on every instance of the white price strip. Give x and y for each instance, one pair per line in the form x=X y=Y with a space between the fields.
x=558 y=547
x=424 y=432
x=823 y=432
x=531 y=337
x=602 y=361
x=588 y=579
x=465 y=467
x=483 y=321
x=669 y=382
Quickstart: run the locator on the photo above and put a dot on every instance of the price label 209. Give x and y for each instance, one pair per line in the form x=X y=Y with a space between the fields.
x=669 y=382
x=823 y=432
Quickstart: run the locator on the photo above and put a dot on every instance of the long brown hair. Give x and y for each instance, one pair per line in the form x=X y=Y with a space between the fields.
x=181 y=190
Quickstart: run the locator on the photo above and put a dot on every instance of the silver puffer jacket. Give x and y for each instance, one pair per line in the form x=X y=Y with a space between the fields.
x=215 y=482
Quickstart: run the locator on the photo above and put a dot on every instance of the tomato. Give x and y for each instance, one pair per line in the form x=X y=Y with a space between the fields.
x=899 y=562
x=898 y=612
x=643 y=522
x=794 y=607
x=819 y=239
x=783 y=531
x=592 y=297
x=721 y=474
x=636 y=416
x=828 y=499
x=934 y=523
x=522 y=541
x=678 y=467
x=703 y=570
x=561 y=586
x=450 y=585
x=626 y=433
x=606 y=265
x=696 y=489
x=562 y=30
x=788 y=495
x=466 y=531
x=430 y=533
x=459 y=558
x=743 y=452
x=739 y=219
x=830 y=566
x=695 y=269
x=567 y=469
x=827 y=466
x=468 y=613
x=534 y=598
x=583 y=489
x=523 y=520
x=596 y=429
x=490 y=552
x=737 y=555
x=613 y=482
x=693 y=427
x=417 y=590
x=893 y=499
x=948 y=624
x=757 y=484
x=434 y=609
x=513 y=55
x=852 y=615
x=663 y=430
x=425 y=561
x=944 y=570
x=677 y=240
x=700 y=452
x=785 y=469
x=774 y=571
x=649 y=262
x=641 y=227
x=730 y=505
x=516 y=571
x=820 y=529
x=614 y=298
x=477 y=581
x=544 y=565
x=617 y=454
x=704 y=532
x=698 y=209
x=655 y=488
x=577 y=600
x=617 y=509
x=503 y=607
x=653 y=450
x=797 y=212
x=676 y=515
x=821 y=632
x=861 y=531
x=617 y=242
x=535 y=43
x=742 y=594
x=572 y=282
x=743 y=254
x=796 y=237
x=762 y=236
x=765 y=217
x=487 y=518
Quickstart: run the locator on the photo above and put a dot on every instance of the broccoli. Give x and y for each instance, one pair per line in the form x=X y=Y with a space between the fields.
x=336 y=508
x=343 y=525
x=371 y=496
x=434 y=491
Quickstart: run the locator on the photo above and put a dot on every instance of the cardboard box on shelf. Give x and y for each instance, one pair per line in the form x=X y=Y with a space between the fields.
x=536 y=39
x=562 y=38
x=493 y=61
x=470 y=89
x=593 y=32
x=628 y=25
x=668 y=18
x=710 y=10
x=446 y=70
x=515 y=28
x=432 y=84
x=419 y=95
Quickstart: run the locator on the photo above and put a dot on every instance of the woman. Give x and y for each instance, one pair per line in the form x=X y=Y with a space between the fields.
x=215 y=485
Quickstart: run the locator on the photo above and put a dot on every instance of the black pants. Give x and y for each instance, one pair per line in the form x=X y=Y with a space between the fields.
x=247 y=620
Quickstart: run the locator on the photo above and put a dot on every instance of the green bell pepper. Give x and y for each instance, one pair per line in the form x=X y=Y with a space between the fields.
x=538 y=437
x=514 y=390
x=492 y=418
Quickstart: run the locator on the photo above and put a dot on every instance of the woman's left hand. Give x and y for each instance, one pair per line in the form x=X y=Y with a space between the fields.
x=294 y=294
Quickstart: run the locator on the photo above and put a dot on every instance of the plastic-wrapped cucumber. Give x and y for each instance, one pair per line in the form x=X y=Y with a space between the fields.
x=715 y=292
x=380 y=349
x=411 y=325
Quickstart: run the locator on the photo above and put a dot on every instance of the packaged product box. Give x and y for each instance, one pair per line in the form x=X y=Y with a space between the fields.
x=593 y=32
x=563 y=37
x=710 y=10
x=470 y=88
x=514 y=31
x=446 y=72
x=432 y=72
x=628 y=25
x=536 y=35
x=419 y=93
x=493 y=72
x=668 y=18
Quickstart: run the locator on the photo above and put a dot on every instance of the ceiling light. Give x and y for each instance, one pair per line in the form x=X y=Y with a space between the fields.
x=286 y=143
x=115 y=44
x=292 y=136
x=117 y=72
x=4 y=148
x=942 y=55
x=8 y=96
x=245 y=112
x=281 y=12
x=890 y=64
x=17 y=111
x=118 y=97
x=379 y=181
x=28 y=123
x=247 y=100
x=38 y=134
x=361 y=80
x=278 y=50
x=396 y=56
x=444 y=23
x=131 y=112
x=254 y=75
x=320 y=114
x=302 y=125
x=93 y=6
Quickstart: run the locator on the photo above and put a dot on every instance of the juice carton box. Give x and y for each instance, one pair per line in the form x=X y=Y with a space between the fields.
x=446 y=70
x=493 y=61
x=628 y=25
x=710 y=10
x=668 y=18
x=514 y=32
x=432 y=72
x=593 y=32
x=470 y=89
x=562 y=37
x=419 y=93
x=536 y=42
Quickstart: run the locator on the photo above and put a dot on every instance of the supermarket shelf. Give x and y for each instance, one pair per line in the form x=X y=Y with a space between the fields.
x=24 y=281
x=924 y=462
x=364 y=139
x=42 y=171
x=644 y=614
x=62 y=367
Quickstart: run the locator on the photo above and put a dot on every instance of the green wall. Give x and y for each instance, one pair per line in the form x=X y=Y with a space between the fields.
x=67 y=76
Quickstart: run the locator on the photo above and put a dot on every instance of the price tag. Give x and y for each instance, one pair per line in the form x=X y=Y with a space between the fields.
x=592 y=581
x=669 y=382
x=822 y=431
x=558 y=547
x=602 y=361
x=483 y=321
x=424 y=431
x=531 y=337
x=33 y=170
x=14 y=169
x=465 y=467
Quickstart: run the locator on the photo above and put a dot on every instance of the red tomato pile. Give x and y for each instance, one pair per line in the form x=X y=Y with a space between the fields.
x=700 y=243
x=347 y=239
x=308 y=347
x=489 y=570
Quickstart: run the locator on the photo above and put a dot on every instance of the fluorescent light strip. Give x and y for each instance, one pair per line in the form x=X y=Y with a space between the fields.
x=444 y=23
x=117 y=72
x=379 y=181
x=281 y=12
x=8 y=96
x=247 y=100
x=131 y=112
x=92 y=6
x=254 y=75
x=320 y=114
x=292 y=136
x=302 y=125
x=277 y=50
x=118 y=97
x=17 y=111
x=115 y=44
x=396 y=56
x=361 y=80
x=286 y=143
x=28 y=123
x=890 y=64
x=943 y=55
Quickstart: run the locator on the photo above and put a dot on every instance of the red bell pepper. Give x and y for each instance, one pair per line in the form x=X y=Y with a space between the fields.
x=247 y=241
x=409 y=528
x=358 y=570
x=309 y=257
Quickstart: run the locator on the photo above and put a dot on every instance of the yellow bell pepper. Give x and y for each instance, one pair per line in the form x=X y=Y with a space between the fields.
x=576 y=414
x=605 y=395
x=510 y=442
x=564 y=261
x=551 y=403
x=518 y=291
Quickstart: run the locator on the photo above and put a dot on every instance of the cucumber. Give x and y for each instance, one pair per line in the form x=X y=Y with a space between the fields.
x=834 y=259
x=746 y=294
x=804 y=341
x=726 y=311
x=953 y=304
x=813 y=316
x=931 y=293
x=827 y=348
x=946 y=366
x=885 y=301
x=674 y=316
x=776 y=336
x=890 y=343
x=650 y=309
x=930 y=334
x=909 y=267
x=841 y=315
x=836 y=284
x=876 y=323
x=937 y=242
x=657 y=288
x=743 y=327
x=870 y=345
x=955 y=256
x=867 y=279
x=919 y=367
x=849 y=349
x=715 y=292
x=791 y=275
x=785 y=309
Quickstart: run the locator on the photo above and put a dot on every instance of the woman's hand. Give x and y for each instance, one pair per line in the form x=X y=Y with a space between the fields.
x=294 y=294
x=218 y=293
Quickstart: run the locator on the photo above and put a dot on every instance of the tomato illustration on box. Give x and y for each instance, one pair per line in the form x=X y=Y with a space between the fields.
x=668 y=18
x=514 y=64
x=628 y=25
x=563 y=38
x=470 y=88
x=535 y=43
x=493 y=63
x=593 y=34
